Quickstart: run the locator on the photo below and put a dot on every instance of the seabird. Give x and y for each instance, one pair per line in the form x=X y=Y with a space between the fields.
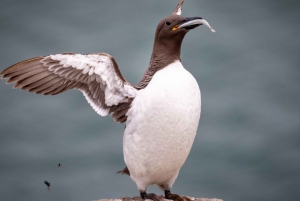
x=161 y=113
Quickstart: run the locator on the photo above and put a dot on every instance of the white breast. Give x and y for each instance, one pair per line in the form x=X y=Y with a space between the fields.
x=161 y=126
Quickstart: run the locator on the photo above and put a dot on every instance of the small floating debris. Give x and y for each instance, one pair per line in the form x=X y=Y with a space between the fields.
x=48 y=184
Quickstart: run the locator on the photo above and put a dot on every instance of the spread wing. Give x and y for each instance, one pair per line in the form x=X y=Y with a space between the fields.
x=178 y=9
x=97 y=75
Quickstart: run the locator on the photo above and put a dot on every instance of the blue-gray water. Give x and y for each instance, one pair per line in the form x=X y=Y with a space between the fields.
x=248 y=142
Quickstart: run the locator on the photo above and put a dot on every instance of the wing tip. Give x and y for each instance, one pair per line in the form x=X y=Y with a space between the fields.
x=178 y=9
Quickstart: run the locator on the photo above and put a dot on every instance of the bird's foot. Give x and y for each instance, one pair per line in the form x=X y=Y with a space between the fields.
x=151 y=196
x=175 y=197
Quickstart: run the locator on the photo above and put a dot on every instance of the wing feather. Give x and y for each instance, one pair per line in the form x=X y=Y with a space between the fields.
x=25 y=75
x=53 y=86
x=40 y=84
x=31 y=79
x=22 y=65
x=15 y=73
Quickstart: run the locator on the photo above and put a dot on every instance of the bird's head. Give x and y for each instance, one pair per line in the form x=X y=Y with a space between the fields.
x=171 y=30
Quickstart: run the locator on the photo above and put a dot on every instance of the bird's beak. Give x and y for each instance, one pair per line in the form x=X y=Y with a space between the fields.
x=193 y=22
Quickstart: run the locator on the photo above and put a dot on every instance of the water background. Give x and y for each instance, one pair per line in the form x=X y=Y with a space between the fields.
x=248 y=142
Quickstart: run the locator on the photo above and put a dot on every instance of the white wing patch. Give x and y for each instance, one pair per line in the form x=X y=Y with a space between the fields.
x=179 y=11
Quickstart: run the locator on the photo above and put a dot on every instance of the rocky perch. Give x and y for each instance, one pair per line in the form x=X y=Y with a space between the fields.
x=140 y=199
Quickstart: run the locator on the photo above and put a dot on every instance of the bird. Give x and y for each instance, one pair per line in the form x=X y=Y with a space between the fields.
x=161 y=112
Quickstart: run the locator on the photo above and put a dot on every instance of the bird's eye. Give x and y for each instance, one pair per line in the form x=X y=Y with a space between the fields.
x=168 y=23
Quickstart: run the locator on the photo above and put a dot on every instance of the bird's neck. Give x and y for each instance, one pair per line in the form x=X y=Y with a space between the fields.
x=165 y=52
x=162 y=56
